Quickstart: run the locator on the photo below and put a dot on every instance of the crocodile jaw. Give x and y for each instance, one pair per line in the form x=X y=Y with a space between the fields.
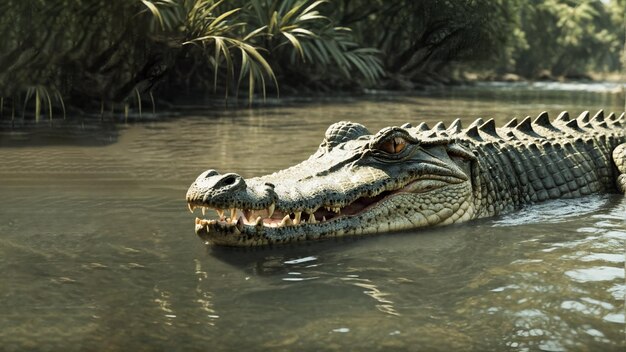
x=406 y=208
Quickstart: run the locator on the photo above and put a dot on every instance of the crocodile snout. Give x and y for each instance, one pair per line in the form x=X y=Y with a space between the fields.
x=229 y=190
x=213 y=184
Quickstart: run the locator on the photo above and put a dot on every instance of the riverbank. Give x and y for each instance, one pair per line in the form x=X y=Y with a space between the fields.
x=567 y=95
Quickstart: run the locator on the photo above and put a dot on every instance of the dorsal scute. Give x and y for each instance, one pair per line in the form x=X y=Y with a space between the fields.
x=479 y=121
x=489 y=128
x=563 y=117
x=611 y=117
x=573 y=124
x=472 y=133
x=512 y=123
x=422 y=127
x=598 y=117
x=455 y=127
x=541 y=127
x=583 y=117
x=440 y=126
x=543 y=120
x=525 y=126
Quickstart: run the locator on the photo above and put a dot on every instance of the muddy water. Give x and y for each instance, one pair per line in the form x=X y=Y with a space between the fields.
x=97 y=250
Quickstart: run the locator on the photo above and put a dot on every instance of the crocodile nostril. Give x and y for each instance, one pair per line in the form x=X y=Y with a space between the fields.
x=229 y=180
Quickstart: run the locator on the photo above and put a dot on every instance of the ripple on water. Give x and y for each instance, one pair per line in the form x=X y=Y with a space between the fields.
x=598 y=273
x=561 y=287
x=301 y=260
x=553 y=211
x=606 y=257
x=619 y=318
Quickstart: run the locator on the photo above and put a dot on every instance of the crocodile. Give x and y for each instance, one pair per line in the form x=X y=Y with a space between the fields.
x=407 y=177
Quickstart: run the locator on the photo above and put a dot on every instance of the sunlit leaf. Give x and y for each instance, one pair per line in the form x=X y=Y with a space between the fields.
x=294 y=41
x=155 y=11
x=37 y=105
x=138 y=101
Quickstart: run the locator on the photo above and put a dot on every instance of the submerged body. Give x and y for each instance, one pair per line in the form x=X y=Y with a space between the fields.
x=409 y=177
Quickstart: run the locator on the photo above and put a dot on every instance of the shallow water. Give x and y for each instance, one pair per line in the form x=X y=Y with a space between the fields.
x=97 y=250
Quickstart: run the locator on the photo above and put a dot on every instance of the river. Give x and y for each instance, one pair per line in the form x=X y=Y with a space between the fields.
x=98 y=252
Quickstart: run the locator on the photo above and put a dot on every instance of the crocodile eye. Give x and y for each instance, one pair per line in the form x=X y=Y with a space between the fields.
x=393 y=145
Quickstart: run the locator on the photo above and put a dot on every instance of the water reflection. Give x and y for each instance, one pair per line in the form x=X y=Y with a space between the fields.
x=385 y=305
x=204 y=295
x=297 y=265
x=556 y=87
x=59 y=132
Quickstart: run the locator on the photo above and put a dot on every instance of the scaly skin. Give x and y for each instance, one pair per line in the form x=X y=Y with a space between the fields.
x=409 y=177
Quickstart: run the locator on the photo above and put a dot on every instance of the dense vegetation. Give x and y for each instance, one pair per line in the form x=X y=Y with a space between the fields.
x=109 y=54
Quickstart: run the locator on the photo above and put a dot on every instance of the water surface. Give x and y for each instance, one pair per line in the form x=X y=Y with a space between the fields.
x=97 y=250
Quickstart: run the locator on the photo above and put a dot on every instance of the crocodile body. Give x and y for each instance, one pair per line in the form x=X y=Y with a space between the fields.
x=409 y=177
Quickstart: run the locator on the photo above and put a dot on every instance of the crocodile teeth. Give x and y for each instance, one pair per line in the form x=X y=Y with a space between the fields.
x=270 y=210
x=220 y=213
x=203 y=211
x=191 y=207
x=323 y=218
x=240 y=215
x=240 y=223
x=258 y=221
x=333 y=209
x=233 y=214
x=198 y=224
x=297 y=218
x=202 y=223
x=312 y=218
x=286 y=221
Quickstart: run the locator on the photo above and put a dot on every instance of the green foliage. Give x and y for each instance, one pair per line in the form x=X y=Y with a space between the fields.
x=105 y=51
x=421 y=39
x=566 y=37
x=86 y=53
x=218 y=34
x=296 y=34
x=80 y=50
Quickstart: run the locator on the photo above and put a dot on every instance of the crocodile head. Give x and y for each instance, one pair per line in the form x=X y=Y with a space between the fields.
x=356 y=183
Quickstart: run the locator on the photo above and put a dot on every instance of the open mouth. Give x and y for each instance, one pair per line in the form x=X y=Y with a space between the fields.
x=272 y=217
